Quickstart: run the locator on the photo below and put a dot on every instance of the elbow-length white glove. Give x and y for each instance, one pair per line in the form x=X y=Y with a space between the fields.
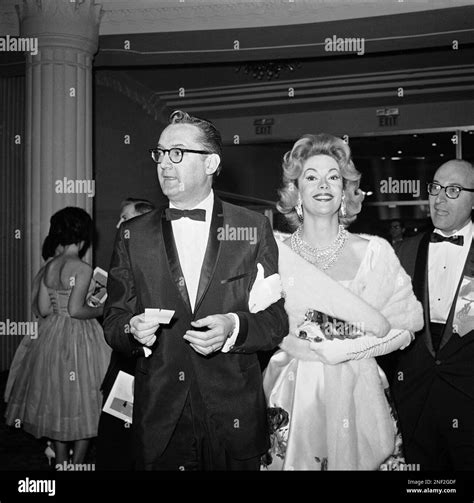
x=341 y=350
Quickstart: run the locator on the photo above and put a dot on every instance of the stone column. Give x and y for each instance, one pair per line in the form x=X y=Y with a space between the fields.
x=58 y=114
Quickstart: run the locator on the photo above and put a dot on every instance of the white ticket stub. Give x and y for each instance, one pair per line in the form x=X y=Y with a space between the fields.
x=163 y=316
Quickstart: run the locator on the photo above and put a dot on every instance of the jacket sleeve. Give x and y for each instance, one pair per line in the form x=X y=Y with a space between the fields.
x=407 y=253
x=264 y=330
x=121 y=303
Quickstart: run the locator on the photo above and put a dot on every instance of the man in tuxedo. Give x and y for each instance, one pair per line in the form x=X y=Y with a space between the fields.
x=198 y=398
x=433 y=385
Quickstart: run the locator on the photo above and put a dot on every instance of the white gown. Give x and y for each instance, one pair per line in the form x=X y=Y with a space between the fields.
x=347 y=423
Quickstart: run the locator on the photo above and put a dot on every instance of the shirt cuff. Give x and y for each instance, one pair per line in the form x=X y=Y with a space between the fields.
x=229 y=343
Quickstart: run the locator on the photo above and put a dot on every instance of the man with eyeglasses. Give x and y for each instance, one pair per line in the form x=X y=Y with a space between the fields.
x=433 y=384
x=198 y=398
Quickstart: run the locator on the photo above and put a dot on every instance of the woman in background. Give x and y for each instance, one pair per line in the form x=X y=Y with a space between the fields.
x=328 y=407
x=49 y=250
x=57 y=392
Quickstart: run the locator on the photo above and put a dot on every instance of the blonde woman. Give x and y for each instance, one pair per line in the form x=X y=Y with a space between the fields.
x=328 y=406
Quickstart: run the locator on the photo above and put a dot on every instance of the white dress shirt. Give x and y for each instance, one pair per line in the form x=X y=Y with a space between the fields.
x=445 y=265
x=191 y=237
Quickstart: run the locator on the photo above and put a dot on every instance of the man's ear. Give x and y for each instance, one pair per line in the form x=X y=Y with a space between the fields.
x=212 y=163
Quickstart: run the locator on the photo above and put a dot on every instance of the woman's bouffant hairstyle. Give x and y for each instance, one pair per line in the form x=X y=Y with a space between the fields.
x=70 y=226
x=319 y=144
x=210 y=137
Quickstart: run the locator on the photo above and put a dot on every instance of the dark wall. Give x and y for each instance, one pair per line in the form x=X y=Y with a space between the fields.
x=121 y=170
x=253 y=170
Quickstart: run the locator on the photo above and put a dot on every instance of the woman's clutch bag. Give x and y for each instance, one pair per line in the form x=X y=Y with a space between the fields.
x=318 y=326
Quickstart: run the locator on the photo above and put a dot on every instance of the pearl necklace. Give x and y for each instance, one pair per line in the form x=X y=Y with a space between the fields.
x=322 y=258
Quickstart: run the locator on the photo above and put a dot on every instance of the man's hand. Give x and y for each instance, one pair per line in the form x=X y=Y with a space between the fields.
x=205 y=343
x=144 y=331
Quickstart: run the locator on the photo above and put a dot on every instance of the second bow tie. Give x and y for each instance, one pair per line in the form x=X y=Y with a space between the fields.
x=176 y=214
x=438 y=238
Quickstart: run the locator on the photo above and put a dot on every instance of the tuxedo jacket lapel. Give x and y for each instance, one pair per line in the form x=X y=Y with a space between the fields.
x=212 y=252
x=173 y=259
x=420 y=288
x=467 y=269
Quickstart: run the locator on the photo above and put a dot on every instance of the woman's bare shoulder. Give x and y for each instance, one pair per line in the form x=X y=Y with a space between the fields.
x=75 y=267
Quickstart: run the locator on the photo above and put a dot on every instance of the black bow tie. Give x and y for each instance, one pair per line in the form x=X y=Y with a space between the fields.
x=438 y=238
x=176 y=214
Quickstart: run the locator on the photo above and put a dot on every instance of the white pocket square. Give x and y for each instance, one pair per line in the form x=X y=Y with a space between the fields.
x=265 y=291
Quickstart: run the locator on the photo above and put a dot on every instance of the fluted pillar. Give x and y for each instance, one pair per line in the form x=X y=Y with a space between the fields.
x=58 y=114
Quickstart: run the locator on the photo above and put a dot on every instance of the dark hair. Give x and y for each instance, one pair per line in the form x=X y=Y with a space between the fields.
x=70 y=226
x=210 y=137
x=48 y=249
x=141 y=205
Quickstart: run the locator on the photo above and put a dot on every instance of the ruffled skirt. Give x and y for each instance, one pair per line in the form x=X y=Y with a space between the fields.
x=56 y=390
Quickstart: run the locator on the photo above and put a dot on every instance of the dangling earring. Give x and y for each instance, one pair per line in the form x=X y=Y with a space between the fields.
x=343 y=205
x=299 y=208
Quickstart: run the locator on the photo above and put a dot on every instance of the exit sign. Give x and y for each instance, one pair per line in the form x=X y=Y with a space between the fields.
x=387 y=116
x=263 y=126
